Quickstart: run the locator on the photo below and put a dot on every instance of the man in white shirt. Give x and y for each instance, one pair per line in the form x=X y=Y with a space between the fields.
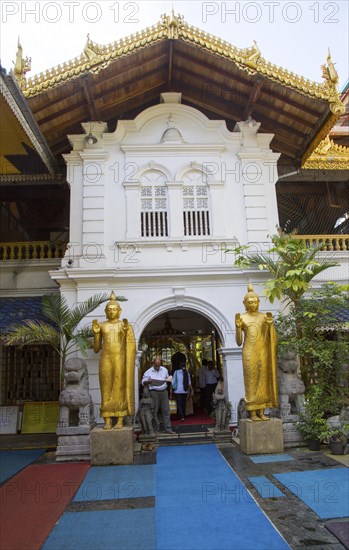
x=155 y=379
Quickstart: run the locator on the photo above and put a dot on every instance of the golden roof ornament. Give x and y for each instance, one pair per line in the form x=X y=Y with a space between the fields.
x=251 y=56
x=329 y=72
x=97 y=57
x=21 y=66
x=330 y=76
x=88 y=51
x=172 y=24
x=328 y=156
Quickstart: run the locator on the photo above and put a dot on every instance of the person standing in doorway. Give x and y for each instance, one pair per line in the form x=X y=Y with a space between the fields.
x=202 y=382
x=181 y=383
x=211 y=379
x=156 y=379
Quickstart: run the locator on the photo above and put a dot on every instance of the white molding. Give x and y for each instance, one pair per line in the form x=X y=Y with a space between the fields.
x=163 y=149
x=191 y=303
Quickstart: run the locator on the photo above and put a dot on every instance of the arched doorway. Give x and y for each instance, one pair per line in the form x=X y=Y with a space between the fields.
x=180 y=330
x=186 y=331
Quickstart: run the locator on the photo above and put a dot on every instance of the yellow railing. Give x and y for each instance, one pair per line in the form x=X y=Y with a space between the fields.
x=329 y=242
x=33 y=250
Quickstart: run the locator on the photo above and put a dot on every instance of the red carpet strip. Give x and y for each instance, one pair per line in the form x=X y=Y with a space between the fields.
x=33 y=500
x=192 y=420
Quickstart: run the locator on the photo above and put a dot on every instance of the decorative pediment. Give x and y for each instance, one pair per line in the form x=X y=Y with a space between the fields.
x=328 y=156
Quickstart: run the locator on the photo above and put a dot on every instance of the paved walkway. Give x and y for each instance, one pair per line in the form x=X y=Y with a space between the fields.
x=301 y=492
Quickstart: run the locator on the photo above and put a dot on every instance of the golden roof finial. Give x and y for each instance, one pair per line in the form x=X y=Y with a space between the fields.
x=88 y=51
x=172 y=23
x=21 y=66
x=329 y=72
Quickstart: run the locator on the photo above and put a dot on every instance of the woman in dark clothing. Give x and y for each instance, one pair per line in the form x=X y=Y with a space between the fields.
x=181 y=382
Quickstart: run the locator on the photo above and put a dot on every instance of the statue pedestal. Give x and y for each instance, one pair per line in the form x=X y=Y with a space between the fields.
x=73 y=443
x=112 y=446
x=261 y=437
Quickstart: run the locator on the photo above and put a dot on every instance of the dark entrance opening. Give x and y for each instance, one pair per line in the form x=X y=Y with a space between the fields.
x=188 y=332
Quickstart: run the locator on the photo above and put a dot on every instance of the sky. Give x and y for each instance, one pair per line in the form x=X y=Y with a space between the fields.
x=293 y=35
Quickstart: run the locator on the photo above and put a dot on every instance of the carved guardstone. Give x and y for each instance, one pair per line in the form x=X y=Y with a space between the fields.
x=76 y=419
x=261 y=437
x=112 y=446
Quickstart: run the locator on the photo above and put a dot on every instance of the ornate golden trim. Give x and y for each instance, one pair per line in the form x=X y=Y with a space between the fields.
x=328 y=156
x=96 y=57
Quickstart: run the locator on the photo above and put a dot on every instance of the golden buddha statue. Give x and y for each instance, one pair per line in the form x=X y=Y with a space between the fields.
x=116 y=365
x=258 y=356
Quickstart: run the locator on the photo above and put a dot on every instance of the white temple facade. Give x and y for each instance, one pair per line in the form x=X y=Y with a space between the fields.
x=155 y=206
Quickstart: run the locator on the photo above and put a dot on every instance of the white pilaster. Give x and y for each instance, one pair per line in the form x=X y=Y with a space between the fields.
x=93 y=221
x=133 y=209
x=233 y=376
x=175 y=207
x=258 y=187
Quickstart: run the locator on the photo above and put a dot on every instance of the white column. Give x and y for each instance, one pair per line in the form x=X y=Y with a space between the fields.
x=175 y=209
x=137 y=367
x=255 y=157
x=74 y=177
x=217 y=218
x=233 y=377
x=133 y=210
x=93 y=218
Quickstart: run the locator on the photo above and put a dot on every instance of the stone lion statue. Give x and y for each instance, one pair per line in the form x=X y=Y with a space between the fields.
x=291 y=387
x=75 y=399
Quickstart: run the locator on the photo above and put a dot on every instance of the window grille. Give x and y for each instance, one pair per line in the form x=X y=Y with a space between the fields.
x=196 y=212
x=154 y=206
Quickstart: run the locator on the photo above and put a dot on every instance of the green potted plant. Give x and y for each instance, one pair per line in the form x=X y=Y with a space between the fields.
x=338 y=439
x=312 y=423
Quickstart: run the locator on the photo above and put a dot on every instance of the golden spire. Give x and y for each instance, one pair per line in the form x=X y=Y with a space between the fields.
x=250 y=287
x=88 y=51
x=329 y=72
x=21 y=66
x=172 y=23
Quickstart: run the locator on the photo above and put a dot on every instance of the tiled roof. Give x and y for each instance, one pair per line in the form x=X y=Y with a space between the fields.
x=336 y=319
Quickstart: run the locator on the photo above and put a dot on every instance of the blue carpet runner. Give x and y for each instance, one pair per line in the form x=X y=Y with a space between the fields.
x=202 y=504
x=108 y=530
x=117 y=482
x=326 y=492
x=11 y=462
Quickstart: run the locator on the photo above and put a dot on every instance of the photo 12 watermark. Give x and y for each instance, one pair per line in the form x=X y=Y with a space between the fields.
x=271 y=12
x=70 y=12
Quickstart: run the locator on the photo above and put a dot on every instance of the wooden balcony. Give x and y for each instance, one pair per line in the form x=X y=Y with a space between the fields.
x=329 y=242
x=34 y=250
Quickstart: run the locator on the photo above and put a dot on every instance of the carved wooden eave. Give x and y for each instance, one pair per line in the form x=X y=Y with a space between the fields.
x=16 y=116
x=328 y=156
x=126 y=76
x=97 y=57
